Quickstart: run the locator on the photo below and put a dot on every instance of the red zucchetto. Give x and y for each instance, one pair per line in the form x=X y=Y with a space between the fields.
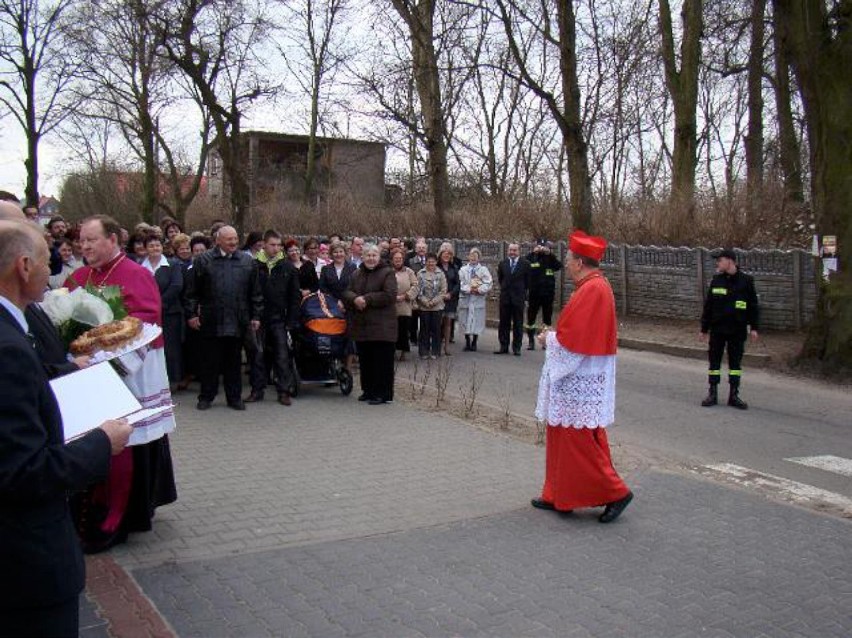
x=579 y=243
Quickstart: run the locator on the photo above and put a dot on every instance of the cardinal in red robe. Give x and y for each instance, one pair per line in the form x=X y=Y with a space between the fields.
x=576 y=396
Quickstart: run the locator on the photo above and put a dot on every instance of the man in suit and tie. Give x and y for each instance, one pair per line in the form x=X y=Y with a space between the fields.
x=513 y=274
x=42 y=565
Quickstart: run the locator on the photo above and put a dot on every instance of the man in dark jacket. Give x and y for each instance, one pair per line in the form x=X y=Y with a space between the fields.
x=223 y=300
x=543 y=268
x=279 y=282
x=513 y=274
x=731 y=312
x=42 y=570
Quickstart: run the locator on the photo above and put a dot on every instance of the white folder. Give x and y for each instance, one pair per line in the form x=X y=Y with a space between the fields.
x=93 y=395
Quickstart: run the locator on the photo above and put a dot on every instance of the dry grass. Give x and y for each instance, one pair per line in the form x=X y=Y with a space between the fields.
x=711 y=222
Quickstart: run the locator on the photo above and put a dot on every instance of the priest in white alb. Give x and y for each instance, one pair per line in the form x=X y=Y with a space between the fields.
x=142 y=477
x=576 y=395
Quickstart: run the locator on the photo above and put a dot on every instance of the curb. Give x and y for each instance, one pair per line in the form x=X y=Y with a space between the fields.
x=120 y=601
x=753 y=360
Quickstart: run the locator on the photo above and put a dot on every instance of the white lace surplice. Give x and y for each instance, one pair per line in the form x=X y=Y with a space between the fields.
x=575 y=390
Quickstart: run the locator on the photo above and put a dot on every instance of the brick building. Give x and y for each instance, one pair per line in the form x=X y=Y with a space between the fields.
x=275 y=164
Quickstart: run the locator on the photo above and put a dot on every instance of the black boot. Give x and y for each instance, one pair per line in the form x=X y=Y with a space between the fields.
x=734 y=399
x=473 y=342
x=466 y=343
x=712 y=397
x=531 y=339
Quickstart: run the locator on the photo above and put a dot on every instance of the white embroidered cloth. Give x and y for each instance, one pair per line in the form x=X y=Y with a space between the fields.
x=575 y=390
x=150 y=385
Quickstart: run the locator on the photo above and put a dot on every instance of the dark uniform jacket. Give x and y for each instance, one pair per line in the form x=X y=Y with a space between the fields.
x=731 y=305
x=281 y=294
x=41 y=563
x=224 y=292
x=543 y=269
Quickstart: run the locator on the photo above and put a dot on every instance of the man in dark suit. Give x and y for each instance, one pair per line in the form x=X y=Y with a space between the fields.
x=42 y=570
x=513 y=274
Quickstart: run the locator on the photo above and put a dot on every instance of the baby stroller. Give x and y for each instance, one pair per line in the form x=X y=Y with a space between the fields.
x=319 y=345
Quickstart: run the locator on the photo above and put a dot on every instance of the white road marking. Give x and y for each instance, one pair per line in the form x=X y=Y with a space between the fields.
x=786 y=489
x=836 y=464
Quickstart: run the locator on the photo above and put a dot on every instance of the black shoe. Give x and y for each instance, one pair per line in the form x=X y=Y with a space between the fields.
x=531 y=346
x=365 y=397
x=237 y=405
x=254 y=397
x=473 y=343
x=735 y=401
x=517 y=353
x=542 y=504
x=614 y=510
x=203 y=404
x=712 y=397
x=378 y=402
x=502 y=351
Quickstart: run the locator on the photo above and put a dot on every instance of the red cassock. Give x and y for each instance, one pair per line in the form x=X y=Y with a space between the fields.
x=577 y=397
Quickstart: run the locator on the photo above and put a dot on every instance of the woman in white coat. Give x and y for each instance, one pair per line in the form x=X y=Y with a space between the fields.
x=475 y=280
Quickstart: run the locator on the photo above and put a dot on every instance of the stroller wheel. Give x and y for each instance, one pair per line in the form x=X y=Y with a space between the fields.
x=345 y=379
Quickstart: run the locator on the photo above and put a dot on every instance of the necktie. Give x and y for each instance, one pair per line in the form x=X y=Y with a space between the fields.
x=513 y=265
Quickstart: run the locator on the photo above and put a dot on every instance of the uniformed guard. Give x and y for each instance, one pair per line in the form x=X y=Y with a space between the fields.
x=542 y=289
x=731 y=312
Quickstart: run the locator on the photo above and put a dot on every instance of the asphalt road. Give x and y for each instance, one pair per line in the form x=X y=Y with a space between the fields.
x=659 y=416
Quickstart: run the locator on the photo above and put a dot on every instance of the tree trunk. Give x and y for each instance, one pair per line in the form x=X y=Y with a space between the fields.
x=789 y=151
x=821 y=46
x=419 y=16
x=150 y=177
x=33 y=138
x=311 y=163
x=579 y=181
x=754 y=137
x=683 y=88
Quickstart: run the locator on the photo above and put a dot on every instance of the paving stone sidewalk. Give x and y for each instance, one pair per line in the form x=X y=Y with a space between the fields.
x=334 y=518
x=692 y=559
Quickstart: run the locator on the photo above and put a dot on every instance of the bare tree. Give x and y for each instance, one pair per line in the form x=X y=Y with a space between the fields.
x=216 y=44
x=315 y=37
x=564 y=102
x=789 y=151
x=34 y=73
x=683 y=88
x=819 y=35
x=419 y=18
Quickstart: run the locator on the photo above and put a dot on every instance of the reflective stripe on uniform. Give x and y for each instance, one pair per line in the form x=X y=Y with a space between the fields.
x=719 y=291
x=714 y=373
x=735 y=373
x=535 y=264
x=740 y=305
x=548 y=273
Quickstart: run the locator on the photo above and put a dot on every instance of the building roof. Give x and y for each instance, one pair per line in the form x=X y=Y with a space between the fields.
x=290 y=137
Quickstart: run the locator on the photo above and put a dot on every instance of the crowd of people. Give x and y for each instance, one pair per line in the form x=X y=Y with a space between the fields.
x=223 y=298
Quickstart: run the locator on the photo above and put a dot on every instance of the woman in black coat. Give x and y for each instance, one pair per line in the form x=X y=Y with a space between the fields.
x=334 y=277
x=169 y=277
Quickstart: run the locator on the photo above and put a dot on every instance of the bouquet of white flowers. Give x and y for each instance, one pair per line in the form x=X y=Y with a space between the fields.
x=75 y=312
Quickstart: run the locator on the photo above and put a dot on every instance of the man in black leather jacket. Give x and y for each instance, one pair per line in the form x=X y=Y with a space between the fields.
x=223 y=299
